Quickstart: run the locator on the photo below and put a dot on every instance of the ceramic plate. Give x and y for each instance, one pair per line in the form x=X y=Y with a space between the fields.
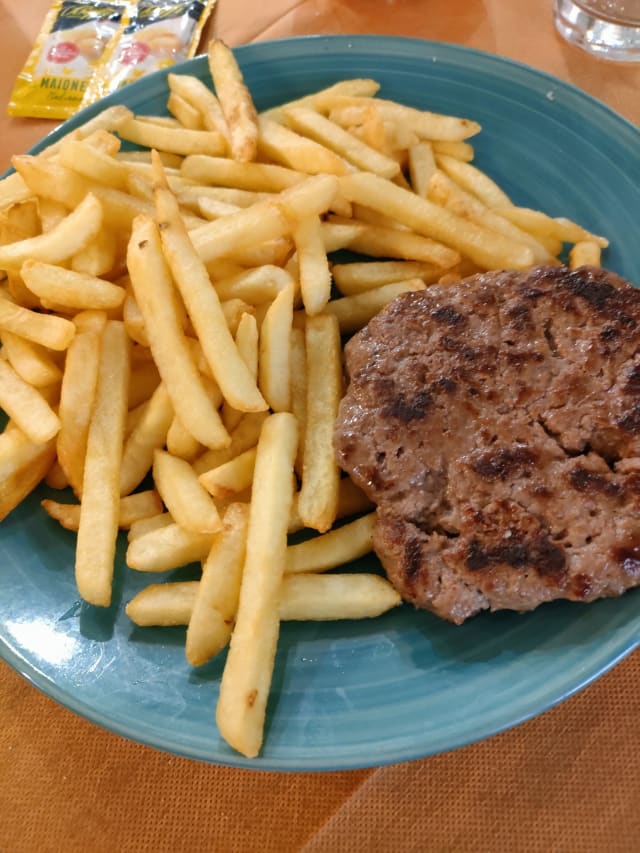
x=406 y=685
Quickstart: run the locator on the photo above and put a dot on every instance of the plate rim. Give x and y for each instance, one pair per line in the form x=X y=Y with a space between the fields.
x=605 y=662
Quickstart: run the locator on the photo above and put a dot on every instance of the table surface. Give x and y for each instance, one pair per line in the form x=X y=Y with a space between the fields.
x=566 y=781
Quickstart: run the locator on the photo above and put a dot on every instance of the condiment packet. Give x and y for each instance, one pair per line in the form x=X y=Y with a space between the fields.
x=71 y=43
x=156 y=34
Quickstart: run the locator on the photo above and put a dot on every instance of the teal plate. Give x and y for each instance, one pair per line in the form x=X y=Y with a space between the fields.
x=406 y=685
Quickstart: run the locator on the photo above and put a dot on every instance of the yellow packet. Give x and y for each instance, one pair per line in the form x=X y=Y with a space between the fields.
x=157 y=34
x=71 y=42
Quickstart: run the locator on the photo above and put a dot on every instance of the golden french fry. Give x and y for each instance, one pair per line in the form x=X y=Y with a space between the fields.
x=328 y=133
x=97 y=531
x=26 y=406
x=332 y=549
x=89 y=161
x=479 y=244
x=68 y=237
x=298 y=385
x=243 y=437
x=323 y=100
x=149 y=433
x=181 y=443
x=235 y=101
x=62 y=287
x=357 y=277
x=144 y=381
x=274 y=370
x=23 y=464
x=315 y=277
x=280 y=144
x=247 y=674
x=99 y=258
x=540 y=225
x=167 y=547
x=247 y=342
x=318 y=499
x=329 y=597
x=30 y=361
x=220 y=172
x=584 y=253
x=183 y=495
x=132 y=508
x=265 y=220
x=203 y=305
x=146 y=525
x=302 y=598
x=422 y=165
x=214 y=608
x=232 y=477
x=354 y=312
x=474 y=181
x=261 y=284
x=195 y=92
x=163 y=604
x=77 y=394
x=424 y=124
x=184 y=112
x=459 y=150
x=56 y=478
x=174 y=140
x=153 y=290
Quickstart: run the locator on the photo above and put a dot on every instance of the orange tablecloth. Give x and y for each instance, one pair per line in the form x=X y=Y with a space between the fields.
x=567 y=781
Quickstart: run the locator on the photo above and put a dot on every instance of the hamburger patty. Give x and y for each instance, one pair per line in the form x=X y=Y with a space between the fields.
x=496 y=425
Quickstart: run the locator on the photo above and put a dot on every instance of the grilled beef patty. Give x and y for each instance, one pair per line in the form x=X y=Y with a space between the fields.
x=496 y=425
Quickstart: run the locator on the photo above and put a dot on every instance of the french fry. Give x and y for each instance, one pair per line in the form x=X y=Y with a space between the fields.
x=243 y=437
x=184 y=112
x=149 y=433
x=153 y=288
x=247 y=674
x=132 y=508
x=220 y=172
x=302 y=598
x=232 y=477
x=315 y=277
x=174 y=140
x=163 y=604
x=354 y=312
x=237 y=384
x=298 y=387
x=144 y=381
x=30 y=361
x=216 y=602
x=235 y=101
x=93 y=163
x=585 y=252
x=167 y=547
x=459 y=150
x=99 y=258
x=247 y=342
x=56 y=478
x=23 y=464
x=55 y=285
x=95 y=548
x=274 y=366
x=479 y=244
x=146 y=525
x=265 y=220
x=357 y=277
x=181 y=443
x=318 y=499
x=540 y=225
x=323 y=130
x=339 y=546
x=77 y=394
x=474 y=181
x=261 y=284
x=62 y=242
x=329 y=597
x=281 y=145
x=422 y=165
x=183 y=495
x=323 y=100
x=26 y=406
x=195 y=92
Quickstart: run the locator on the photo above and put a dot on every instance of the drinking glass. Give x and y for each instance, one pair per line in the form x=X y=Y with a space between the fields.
x=609 y=29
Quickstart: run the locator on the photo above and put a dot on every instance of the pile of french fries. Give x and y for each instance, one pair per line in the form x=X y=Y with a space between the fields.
x=175 y=311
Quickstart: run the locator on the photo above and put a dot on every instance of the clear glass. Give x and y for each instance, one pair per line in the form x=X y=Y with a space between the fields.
x=609 y=29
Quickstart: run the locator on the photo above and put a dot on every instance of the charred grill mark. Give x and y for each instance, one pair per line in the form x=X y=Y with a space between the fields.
x=502 y=462
x=538 y=553
x=412 y=558
x=630 y=421
x=599 y=294
x=454 y=345
x=581 y=585
x=444 y=384
x=449 y=316
x=406 y=410
x=629 y=558
x=632 y=385
x=519 y=316
x=584 y=480
x=520 y=357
